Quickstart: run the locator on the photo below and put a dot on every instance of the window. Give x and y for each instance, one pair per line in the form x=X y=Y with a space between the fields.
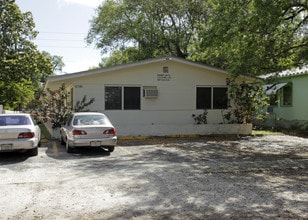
x=89 y=120
x=273 y=100
x=14 y=120
x=220 y=98
x=212 y=97
x=131 y=98
x=165 y=69
x=204 y=96
x=113 y=97
x=287 y=95
x=122 y=97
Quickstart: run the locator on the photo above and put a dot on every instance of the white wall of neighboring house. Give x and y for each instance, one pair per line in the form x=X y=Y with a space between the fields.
x=173 y=107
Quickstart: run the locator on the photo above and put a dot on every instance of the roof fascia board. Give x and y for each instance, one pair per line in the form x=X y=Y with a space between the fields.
x=134 y=64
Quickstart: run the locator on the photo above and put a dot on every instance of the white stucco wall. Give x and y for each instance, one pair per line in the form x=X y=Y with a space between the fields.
x=173 y=108
x=188 y=129
x=175 y=103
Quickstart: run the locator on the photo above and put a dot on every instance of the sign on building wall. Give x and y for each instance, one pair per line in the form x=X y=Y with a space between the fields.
x=163 y=77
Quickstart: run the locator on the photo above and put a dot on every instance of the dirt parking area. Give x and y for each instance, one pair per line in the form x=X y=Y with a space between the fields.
x=205 y=178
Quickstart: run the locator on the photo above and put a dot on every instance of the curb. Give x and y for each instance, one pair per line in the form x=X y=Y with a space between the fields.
x=165 y=136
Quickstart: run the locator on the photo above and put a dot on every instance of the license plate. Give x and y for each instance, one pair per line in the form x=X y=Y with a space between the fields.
x=6 y=146
x=95 y=143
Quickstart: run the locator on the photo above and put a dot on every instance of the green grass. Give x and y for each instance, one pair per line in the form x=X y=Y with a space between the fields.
x=265 y=132
x=284 y=132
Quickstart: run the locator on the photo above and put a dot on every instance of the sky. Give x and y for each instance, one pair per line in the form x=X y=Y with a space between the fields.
x=63 y=26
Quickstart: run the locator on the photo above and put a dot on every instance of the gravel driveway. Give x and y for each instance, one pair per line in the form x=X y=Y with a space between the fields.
x=248 y=178
x=205 y=178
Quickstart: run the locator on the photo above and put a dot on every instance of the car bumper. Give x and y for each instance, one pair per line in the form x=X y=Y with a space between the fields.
x=112 y=141
x=6 y=146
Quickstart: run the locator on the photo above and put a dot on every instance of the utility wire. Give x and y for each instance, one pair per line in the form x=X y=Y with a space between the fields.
x=71 y=47
x=64 y=33
x=52 y=39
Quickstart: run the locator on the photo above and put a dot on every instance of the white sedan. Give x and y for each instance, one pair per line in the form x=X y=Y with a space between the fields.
x=19 y=132
x=88 y=129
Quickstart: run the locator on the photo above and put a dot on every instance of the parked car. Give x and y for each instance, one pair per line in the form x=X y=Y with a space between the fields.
x=19 y=132
x=88 y=129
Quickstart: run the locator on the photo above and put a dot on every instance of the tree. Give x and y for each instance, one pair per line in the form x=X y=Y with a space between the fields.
x=250 y=37
x=255 y=37
x=117 y=57
x=55 y=108
x=22 y=66
x=154 y=28
x=57 y=62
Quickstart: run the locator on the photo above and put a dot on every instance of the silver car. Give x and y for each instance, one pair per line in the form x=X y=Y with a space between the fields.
x=19 y=132
x=88 y=129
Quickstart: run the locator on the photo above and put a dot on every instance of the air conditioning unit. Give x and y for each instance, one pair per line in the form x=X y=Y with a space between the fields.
x=150 y=93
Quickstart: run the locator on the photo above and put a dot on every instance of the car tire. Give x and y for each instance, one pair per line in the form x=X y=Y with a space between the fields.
x=68 y=148
x=33 y=151
x=111 y=149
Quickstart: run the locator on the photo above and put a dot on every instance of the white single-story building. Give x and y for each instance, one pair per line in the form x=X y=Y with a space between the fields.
x=154 y=97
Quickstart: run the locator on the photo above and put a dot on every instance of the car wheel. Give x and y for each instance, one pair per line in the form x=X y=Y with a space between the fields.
x=33 y=152
x=68 y=148
x=111 y=149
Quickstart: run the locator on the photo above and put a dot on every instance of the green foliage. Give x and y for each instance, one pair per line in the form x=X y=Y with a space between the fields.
x=82 y=104
x=22 y=66
x=244 y=37
x=17 y=93
x=255 y=37
x=121 y=56
x=200 y=118
x=55 y=108
x=57 y=62
x=248 y=102
x=154 y=28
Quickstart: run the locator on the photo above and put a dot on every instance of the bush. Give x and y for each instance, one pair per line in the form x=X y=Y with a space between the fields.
x=248 y=102
x=55 y=108
x=201 y=118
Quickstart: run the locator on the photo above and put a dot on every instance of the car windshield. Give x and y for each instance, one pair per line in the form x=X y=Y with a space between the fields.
x=14 y=120
x=90 y=120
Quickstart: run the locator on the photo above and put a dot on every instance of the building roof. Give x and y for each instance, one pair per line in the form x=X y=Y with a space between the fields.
x=288 y=73
x=88 y=73
x=132 y=64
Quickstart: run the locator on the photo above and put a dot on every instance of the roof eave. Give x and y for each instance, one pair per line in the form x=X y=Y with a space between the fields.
x=139 y=63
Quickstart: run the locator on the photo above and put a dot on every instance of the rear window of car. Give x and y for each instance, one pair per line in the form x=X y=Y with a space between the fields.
x=89 y=120
x=14 y=120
